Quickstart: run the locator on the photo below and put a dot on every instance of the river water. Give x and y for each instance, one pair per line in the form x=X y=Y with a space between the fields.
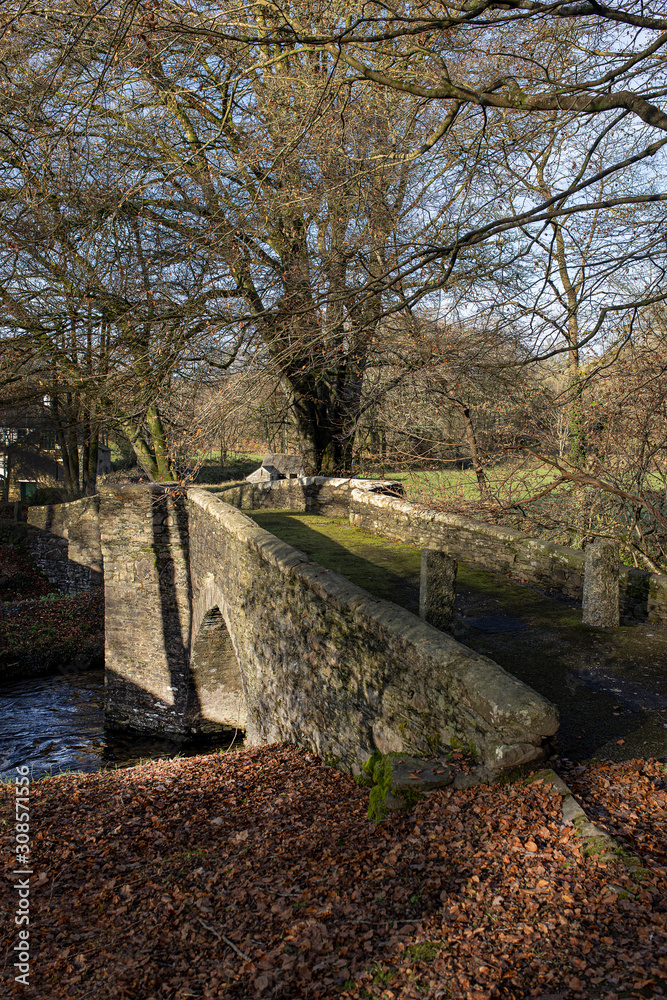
x=56 y=724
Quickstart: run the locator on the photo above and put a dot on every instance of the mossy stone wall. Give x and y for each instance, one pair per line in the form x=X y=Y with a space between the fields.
x=64 y=542
x=642 y=595
x=322 y=662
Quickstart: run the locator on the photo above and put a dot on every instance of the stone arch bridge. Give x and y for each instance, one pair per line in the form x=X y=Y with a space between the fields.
x=212 y=622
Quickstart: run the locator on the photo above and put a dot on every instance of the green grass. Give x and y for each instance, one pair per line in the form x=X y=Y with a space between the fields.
x=382 y=976
x=386 y=569
x=237 y=466
x=425 y=951
x=424 y=485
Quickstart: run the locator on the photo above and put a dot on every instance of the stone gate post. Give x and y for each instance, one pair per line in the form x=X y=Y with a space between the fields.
x=600 y=599
x=437 y=588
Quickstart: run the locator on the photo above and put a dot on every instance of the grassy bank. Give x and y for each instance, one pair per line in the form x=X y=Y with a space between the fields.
x=449 y=484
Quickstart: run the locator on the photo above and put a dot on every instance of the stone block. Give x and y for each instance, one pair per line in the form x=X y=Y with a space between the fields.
x=415 y=774
x=437 y=589
x=601 y=584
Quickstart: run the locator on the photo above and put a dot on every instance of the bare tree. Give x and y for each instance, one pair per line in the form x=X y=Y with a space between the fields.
x=508 y=68
x=332 y=164
x=288 y=179
x=575 y=282
x=100 y=308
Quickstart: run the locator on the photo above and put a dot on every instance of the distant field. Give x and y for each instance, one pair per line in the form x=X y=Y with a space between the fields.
x=512 y=481
x=443 y=485
x=518 y=497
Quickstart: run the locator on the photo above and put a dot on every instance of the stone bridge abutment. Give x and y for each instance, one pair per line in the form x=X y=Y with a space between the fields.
x=171 y=665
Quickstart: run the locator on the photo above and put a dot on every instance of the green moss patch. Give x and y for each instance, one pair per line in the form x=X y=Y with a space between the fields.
x=385 y=569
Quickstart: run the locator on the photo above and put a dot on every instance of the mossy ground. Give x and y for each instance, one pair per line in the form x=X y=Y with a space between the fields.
x=609 y=684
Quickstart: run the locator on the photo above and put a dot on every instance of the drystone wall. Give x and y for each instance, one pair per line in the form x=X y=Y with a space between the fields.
x=319 y=661
x=642 y=595
x=64 y=542
x=314 y=494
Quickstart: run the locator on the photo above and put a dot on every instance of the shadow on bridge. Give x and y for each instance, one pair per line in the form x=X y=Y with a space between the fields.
x=172 y=593
x=385 y=569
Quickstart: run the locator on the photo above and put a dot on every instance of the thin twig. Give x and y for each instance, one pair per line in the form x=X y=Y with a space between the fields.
x=58 y=877
x=222 y=937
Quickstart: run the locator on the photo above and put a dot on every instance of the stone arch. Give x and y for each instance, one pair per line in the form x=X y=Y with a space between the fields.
x=214 y=668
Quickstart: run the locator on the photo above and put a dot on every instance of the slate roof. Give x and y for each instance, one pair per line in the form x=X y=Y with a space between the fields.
x=284 y=465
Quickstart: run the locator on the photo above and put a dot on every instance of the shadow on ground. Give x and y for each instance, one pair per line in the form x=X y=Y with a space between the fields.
x=610 y=685
x=236 y=468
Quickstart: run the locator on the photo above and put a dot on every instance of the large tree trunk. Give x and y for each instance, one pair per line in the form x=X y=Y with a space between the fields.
x=327 y=407
x=159 y=441
x=141 y=450
x=150 y=449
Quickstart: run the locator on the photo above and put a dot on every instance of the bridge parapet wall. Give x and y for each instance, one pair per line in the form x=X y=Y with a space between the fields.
x=508 y=550
x=329 y=666
x=314 y=494
x=64 y=541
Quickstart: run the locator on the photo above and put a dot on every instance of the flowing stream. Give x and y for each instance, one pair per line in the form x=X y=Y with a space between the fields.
x=56 y=724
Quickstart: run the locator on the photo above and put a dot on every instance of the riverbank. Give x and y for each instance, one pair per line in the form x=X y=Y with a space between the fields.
x=255 y=873
x=41 y=629
x=54 y=632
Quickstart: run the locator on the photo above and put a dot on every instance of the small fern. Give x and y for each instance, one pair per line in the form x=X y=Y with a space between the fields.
x=379 y=768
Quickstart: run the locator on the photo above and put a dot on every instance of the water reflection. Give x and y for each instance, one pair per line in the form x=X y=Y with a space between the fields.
x=56 y=723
